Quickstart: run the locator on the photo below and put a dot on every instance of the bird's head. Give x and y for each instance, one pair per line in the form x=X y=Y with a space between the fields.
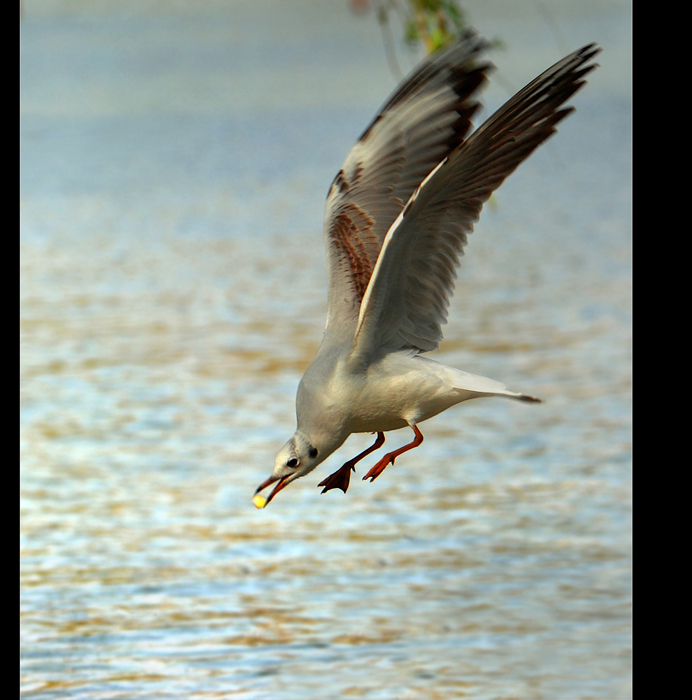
x=298 y=457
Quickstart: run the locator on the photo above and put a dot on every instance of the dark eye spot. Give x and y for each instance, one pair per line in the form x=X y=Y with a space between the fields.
x=312 y=452
x=293 y=462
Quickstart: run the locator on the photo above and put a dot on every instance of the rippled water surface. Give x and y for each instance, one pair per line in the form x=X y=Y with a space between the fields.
x=175 y=160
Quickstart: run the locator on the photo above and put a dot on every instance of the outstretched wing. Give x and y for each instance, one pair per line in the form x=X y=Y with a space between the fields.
x=406 y=301
x=425 y=119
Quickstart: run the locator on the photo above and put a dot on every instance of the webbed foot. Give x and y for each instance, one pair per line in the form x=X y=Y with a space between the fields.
x=340 y=479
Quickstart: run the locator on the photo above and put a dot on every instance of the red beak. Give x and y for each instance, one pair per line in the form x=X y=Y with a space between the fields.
x=282 y=483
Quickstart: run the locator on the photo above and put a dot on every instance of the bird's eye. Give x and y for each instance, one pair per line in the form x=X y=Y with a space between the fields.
x=312 y=452
x=293 y=462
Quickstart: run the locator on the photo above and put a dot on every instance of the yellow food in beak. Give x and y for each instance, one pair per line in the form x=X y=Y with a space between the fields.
x=259 y=501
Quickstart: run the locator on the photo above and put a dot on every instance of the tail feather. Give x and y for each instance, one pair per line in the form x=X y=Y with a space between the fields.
x=529 y=399
x=483 y=386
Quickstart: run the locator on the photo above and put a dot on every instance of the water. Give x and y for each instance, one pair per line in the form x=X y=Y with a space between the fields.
x=175 y=161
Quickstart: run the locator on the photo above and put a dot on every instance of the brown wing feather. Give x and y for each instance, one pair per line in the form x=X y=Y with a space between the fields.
x=426 y=119
x=406 y=302
x=352 y=238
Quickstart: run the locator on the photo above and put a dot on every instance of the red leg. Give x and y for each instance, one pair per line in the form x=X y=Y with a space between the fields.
x=341 y=478
x=391 y=456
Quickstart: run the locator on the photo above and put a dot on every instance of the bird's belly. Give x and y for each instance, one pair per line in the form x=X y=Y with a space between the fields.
x=389 y=403
x=364 y=423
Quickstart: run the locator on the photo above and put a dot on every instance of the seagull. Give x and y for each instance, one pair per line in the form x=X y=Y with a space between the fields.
x=397 y=218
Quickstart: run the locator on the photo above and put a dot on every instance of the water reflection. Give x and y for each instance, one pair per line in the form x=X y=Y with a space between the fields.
x=172 y=294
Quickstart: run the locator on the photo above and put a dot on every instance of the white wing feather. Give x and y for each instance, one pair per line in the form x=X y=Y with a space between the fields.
x=426 y=118
x=406 y=301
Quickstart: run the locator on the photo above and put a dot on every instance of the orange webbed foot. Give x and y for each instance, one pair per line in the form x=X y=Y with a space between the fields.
x=340 y=479
x=391 y=456
x=380 y=467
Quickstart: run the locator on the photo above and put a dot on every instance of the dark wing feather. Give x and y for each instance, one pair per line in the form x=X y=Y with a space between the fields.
x=425 y=120
x=406 y=301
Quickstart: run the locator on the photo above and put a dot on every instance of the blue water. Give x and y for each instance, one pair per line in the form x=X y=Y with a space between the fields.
x=174 y=164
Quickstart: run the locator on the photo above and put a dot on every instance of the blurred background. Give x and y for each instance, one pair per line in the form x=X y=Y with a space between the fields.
x=175 y=159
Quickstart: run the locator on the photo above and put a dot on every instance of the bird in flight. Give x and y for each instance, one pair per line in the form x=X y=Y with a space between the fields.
x=397 y=219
